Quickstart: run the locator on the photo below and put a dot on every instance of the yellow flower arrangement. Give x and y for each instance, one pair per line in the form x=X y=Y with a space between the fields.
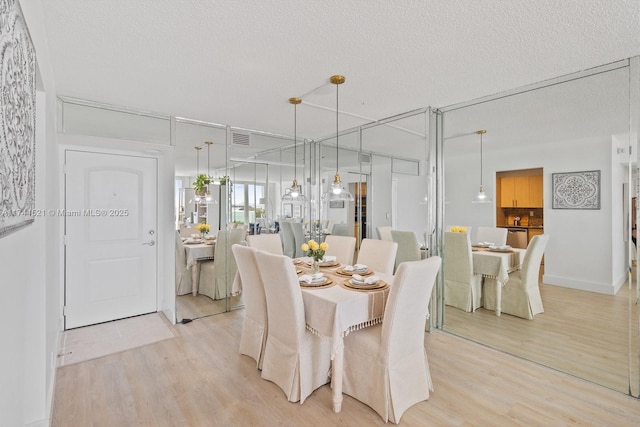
x=458 y=229
x=314 y=249
x=203 y=228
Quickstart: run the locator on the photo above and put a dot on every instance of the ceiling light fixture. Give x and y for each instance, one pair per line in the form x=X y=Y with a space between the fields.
x=337 y=191
x=481 y=197
x=294 y=193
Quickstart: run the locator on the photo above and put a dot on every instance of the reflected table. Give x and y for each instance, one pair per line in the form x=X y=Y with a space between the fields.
x=497 y=265
x=194 y=254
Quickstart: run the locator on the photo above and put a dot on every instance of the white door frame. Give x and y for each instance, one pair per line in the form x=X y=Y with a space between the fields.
x=165 y=228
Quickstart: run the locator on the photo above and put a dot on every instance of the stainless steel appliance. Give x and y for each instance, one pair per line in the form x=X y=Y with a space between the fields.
x=517 y=237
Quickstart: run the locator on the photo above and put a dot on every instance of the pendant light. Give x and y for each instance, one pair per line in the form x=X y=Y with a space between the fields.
x=197 y=197
x=294 y=194
x=481 y=197
x=207 y=195
x=337 y=191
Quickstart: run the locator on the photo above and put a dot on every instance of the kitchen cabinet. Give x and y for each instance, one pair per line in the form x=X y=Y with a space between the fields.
x=521 y=192
x=535 y=232
x=536 y=194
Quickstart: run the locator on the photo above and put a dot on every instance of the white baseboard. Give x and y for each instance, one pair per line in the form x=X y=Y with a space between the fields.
x=601 y=288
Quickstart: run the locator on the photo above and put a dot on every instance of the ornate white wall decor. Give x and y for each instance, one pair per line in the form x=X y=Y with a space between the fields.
x=17 y=119
x=576 y=190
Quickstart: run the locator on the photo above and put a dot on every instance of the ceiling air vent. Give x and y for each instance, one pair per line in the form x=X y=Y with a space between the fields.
x=365 y=158
x=240 y=138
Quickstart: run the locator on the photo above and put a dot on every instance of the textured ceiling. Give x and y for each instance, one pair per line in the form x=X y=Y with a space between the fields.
x=237 y=62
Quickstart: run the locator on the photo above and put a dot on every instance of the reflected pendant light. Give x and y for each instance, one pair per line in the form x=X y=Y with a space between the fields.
x=294 y=193
x=481 y=197
x=197 y=196
x=207 y=195
x=337 y=191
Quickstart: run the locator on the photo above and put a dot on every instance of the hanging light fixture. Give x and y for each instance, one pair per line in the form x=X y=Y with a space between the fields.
x=197 y=196
x=337 y=191
x=294 y=194
x=481 y=197
x=207 y=195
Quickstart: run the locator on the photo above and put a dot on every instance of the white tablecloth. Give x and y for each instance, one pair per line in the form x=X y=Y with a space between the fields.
x=198 y=252
x=335 y=311
x=497 y=265
x=195 y=254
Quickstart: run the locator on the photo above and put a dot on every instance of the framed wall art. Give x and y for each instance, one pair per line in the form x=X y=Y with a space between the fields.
x=576 y=190
x=17 y=120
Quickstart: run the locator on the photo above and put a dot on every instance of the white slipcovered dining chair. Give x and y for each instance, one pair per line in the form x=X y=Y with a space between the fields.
x=494 y=235
x=255 y=326
x=342 y=247
x=386 y=365
x=521 y=294
x=384 y=232
x=271 y=243
x=462 y=288
x=379 y=255
x=408 y=246
x=288 y=241
x=216 y=276
x=295 y=359
x=183 y=274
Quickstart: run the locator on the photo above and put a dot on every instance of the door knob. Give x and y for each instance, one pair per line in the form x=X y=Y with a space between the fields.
x=150 y=243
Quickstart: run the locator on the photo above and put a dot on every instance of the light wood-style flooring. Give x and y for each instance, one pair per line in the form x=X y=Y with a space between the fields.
x=582 y=333
x=198 y=378
x=194 y=307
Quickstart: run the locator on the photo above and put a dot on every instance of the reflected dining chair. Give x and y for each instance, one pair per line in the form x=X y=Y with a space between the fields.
x=288 y=241
x=521 y=294
x=298 y=238
x=384 y=232
x=183 y=275
x=216 y=276
x=342 y=247
x=379 y=255
x=271 y=243
x=462 y=288
x=255 y=327
x=386 y=365
x=408 y=246
x=494 y=235
x=340 y=229
x=295 y=359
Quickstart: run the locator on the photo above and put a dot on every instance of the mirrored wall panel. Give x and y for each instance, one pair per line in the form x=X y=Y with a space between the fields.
x=554 y=162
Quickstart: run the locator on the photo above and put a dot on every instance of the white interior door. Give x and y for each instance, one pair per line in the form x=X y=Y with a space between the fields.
x=110 y=234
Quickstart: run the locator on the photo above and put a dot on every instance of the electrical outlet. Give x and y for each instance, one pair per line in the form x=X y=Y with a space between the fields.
x=530 y=213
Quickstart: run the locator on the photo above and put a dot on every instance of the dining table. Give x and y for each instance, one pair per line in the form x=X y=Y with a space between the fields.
x=334 y=310
x=194 y=254
x=497 y=264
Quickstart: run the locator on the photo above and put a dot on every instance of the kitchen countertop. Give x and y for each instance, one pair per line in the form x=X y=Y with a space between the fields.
x=520 y=226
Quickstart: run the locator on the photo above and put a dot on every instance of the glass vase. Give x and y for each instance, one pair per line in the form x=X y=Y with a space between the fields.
x=315 y=266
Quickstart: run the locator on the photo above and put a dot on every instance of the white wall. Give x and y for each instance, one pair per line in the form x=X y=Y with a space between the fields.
x=411 y=216
x=379 y=193
x=580 y=253
x=30 y=275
